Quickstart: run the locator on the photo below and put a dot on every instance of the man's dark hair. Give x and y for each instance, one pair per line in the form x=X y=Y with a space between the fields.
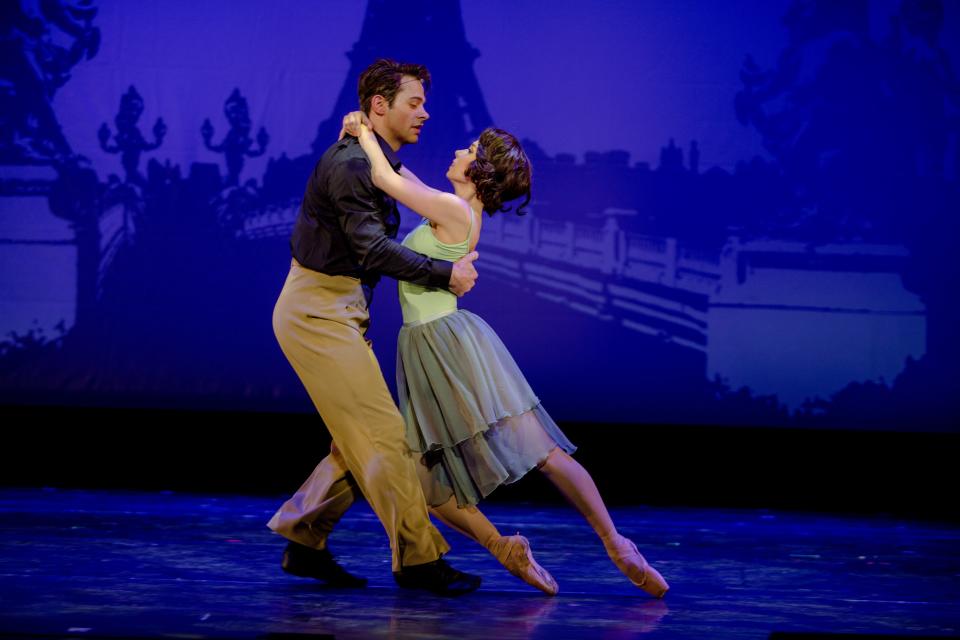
x=383 y=78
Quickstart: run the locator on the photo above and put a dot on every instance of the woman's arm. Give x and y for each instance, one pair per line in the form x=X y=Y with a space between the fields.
x=443 y=209
x=351 y=127
x=410 y=175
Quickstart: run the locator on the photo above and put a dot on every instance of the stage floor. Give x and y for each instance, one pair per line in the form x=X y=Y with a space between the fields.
x=123 y=564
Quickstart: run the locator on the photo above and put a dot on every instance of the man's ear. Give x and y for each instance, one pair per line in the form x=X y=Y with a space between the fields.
x=378 y=105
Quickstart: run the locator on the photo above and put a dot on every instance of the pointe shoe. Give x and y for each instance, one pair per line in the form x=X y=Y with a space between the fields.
x=632 y=564
x=514 y=553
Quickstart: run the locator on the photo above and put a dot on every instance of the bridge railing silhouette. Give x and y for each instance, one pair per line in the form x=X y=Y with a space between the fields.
x=273 y=223
x=608 y=249
x=613 y=271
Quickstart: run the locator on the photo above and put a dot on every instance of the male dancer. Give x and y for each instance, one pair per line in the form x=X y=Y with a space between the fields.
x=342 y=243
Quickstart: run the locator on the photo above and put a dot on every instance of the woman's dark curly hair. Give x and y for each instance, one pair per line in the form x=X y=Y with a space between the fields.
x=501 y=171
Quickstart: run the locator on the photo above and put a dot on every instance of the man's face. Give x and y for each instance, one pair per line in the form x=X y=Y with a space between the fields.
x=406 y=117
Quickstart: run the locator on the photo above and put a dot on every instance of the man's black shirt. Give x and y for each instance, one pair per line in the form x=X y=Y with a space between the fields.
x=346 y=226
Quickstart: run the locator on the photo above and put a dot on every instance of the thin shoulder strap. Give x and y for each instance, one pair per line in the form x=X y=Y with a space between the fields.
x=470 y=228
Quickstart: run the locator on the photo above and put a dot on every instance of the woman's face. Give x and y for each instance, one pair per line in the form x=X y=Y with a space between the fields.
x=461 y=162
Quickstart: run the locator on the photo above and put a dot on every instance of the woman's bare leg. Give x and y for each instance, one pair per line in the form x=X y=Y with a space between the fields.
x=578 y=487
x=513 y=552
x=467 y=520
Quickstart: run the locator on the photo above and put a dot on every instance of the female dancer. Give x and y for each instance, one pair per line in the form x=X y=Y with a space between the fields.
x=470 y=414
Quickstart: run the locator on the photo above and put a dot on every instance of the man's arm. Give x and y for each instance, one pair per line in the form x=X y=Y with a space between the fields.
x=357 y=213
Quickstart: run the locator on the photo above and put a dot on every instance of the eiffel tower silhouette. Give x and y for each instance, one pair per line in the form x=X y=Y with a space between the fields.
x=428 y=32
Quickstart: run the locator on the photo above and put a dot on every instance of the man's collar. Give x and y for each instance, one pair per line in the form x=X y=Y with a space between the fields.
x=389 y=152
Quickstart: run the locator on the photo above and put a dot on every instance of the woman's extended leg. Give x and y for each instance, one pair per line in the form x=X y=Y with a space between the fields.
x=578 y=487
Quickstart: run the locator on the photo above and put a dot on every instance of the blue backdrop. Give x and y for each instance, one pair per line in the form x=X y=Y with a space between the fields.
x=744 y=212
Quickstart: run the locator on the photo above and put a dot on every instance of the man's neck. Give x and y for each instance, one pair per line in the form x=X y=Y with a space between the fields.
x=391 y=140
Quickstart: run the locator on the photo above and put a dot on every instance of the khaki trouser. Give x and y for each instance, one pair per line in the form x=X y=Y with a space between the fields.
x=320 y=322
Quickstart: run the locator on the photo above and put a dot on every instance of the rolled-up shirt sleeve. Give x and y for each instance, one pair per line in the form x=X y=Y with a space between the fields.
x=355 y=202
